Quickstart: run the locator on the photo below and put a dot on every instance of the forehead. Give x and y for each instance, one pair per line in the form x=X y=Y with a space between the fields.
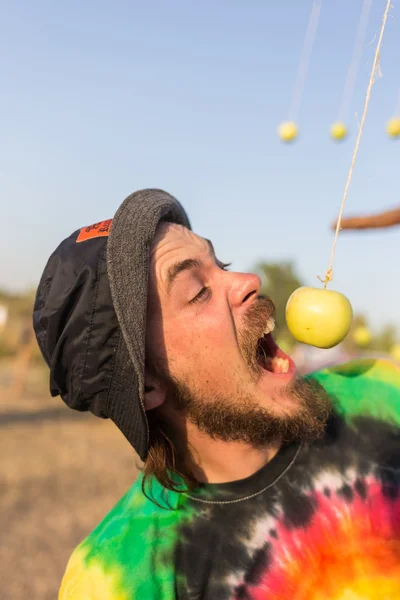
x=176 y=242
x=173 y=243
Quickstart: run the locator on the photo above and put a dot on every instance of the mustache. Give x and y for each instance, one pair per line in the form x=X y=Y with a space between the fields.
x=253 y=328
x=257 y=315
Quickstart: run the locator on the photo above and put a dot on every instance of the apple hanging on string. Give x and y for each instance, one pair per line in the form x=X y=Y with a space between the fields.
x=395 y=352
x=393 y=127
x=321 y=317
x=318 y=317
x=338 y=131
x=362 y=336
x=288 y=131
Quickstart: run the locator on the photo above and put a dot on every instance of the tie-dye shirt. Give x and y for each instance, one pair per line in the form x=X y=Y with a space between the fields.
x=316 y=523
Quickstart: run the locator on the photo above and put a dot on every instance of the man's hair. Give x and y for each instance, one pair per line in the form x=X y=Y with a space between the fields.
x=163 y=461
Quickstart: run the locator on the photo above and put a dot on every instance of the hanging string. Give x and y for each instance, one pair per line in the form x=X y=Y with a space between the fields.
x=305 y=60
x=374 y=73
x=351 y=78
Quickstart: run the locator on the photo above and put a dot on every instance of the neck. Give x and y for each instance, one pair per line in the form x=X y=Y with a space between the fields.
x=213 y=461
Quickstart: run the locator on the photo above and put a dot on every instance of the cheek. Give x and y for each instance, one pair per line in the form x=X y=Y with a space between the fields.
x=204 y=353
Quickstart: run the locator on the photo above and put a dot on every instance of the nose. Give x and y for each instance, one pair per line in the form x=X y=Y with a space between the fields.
x=245 y=288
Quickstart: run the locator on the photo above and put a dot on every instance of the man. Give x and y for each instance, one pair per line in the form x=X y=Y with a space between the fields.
x=257 y=483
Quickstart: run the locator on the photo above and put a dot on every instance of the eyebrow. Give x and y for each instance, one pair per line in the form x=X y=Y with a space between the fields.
x=185 y=265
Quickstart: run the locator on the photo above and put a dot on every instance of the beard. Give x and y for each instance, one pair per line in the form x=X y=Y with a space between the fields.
x=243 y=420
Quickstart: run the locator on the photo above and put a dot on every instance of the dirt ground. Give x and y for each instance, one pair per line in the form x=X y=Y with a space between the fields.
x=60 y=473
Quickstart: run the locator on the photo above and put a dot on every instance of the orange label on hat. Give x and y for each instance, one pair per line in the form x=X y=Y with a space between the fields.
x=101 y=229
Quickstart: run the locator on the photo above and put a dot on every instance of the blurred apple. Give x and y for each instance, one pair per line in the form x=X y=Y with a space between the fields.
x=288 y=131
x=395 y=352
x=362 y=336
x=318 y=317
x=393 y=127
x=338 y=131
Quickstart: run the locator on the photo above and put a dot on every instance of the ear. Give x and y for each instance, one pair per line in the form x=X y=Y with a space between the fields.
x=154 y=393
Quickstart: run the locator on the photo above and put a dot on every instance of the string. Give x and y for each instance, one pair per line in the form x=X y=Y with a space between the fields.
x=375 y=71
x=355 y=62
x=305 y=60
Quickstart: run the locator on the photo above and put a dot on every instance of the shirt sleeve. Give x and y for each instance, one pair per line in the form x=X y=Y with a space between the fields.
x=85 y=580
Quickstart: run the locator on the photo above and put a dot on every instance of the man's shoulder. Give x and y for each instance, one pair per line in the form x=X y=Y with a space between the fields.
x=88 y=569
x=364 y=387
x=113 y=558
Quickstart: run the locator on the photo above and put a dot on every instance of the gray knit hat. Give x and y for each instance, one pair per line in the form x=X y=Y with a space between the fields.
x=90 y=313
x=128 y=258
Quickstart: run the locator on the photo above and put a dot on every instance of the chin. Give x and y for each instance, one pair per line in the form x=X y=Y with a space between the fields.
x=279 y=403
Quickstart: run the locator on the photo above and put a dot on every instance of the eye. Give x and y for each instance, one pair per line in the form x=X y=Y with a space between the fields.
x=205 y=292
x=202 y=295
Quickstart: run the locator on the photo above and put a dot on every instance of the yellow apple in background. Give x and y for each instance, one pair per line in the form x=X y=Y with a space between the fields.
x=362 y=336
x=338 y=131
x=395 y=352
x=288 y=131
x=318 y=317
x=393 y=127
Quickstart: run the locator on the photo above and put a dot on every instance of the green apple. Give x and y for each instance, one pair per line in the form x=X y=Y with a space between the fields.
x=318 y=317
x=362 y=336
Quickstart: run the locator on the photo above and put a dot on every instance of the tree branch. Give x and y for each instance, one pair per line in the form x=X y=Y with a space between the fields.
x=389 y=218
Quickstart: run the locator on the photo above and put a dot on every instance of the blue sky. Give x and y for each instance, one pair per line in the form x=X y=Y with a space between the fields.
x=99 y=99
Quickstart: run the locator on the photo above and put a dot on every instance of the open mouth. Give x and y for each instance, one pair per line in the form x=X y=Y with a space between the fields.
x=270 y=357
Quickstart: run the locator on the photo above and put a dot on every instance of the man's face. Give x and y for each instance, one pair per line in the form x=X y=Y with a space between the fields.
x=208 y=333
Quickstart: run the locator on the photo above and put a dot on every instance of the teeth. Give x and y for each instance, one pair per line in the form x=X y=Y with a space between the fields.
x=270 y=326
x=280 y=365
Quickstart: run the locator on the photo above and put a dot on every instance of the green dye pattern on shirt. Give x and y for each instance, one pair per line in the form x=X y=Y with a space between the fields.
x=143 y=536
x=366 y=388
